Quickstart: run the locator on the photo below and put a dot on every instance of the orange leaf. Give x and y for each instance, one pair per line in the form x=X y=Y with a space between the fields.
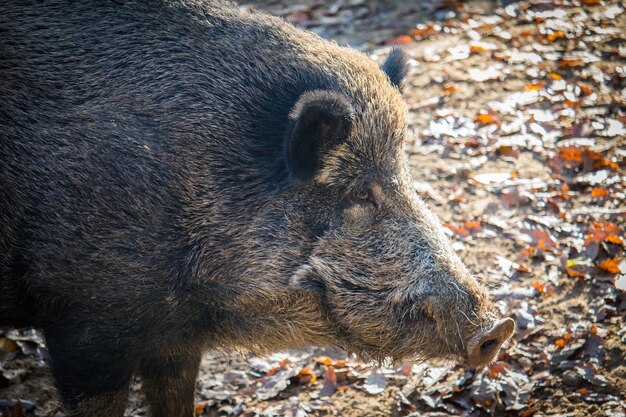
x=599 y=192
x=570 y=153
x=473 y=225
x=273 y=371
x=462 y=231
x=596 y=236
x=572 y=158
x=571 y=62
x=497 y=367
x=325 y=360
x=593 y=330
x=423 y=31
x=400 y=40
x=331 y=374
x=604 y=232
x=535 y=87
x=543 y=239
x=306 y=376
x=199 y=408
x=449 y=88
x=556 y=35
x=538 y=285
x=559 y=342
x=485 y=118
x=555 y=76
x=590 y=2
x=567 y=336
x=585 y=89
x=477 y=49
x=507 y=150
x=610 y=265
x=528 y=412
x=614 y=239
x=574 y=273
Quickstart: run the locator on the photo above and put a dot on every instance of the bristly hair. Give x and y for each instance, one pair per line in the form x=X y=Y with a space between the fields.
x=395 y=66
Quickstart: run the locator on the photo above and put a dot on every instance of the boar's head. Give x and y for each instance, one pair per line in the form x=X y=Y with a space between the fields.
x=344 y=252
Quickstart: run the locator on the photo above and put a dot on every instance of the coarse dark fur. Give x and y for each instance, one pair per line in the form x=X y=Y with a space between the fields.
x=181 y=175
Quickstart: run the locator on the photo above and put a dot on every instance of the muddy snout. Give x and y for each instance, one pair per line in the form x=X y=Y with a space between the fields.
x=484 y=347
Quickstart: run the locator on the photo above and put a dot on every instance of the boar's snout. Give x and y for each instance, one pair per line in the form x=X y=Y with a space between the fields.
x=482 y=348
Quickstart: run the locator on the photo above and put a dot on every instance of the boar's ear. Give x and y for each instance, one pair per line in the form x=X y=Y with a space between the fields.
x=395 y=66
x=319 y=121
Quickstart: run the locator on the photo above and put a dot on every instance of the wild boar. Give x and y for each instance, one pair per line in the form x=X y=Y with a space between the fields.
x=177 y=176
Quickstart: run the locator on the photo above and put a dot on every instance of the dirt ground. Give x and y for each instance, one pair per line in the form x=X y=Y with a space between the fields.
x=517 y=141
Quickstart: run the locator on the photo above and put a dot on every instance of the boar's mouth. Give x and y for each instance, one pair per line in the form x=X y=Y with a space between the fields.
x=406 y=342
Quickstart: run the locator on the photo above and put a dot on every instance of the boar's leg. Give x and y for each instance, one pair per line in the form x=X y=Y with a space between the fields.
x=92 y=377
x=169 y=381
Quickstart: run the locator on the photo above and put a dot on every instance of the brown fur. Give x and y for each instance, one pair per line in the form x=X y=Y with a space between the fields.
x=151 y=208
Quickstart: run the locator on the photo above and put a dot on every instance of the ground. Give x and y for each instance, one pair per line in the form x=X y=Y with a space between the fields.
x=517 y=142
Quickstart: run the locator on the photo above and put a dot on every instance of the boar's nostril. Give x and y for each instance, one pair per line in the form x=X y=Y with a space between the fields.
x=486 y=345
x=483 y=348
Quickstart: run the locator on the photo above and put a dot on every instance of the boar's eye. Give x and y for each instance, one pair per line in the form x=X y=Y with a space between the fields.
x=362 y=197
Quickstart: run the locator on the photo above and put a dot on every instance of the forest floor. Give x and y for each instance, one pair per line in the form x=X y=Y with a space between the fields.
x=517 y=141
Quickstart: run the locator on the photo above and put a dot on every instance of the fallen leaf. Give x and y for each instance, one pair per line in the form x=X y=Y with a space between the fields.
x=423 y=31
x=199 y=408
x=571 y=62
x=479 y=47
x=555 y=35
x=485 y=118
x=620 y=282
x=401 y=40
x=575 y=274
x=492 y=177
x=535 y=86
x=610 y=265
x=330 y=383
x=376 y=382
x=599 y=192
x=491 y=73
x=585 y=89
x=449 y=88
x=497 y=368
x=580 y=159
x=325 y=360
x=541 y=238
